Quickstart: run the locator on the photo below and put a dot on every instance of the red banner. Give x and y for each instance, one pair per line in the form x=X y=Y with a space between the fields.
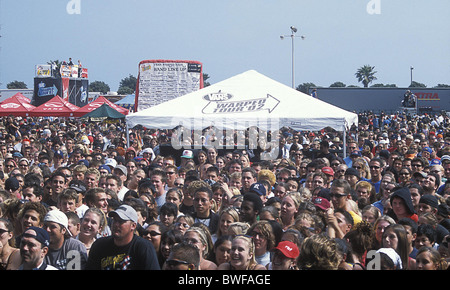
x=84 y=73
x=65 y=89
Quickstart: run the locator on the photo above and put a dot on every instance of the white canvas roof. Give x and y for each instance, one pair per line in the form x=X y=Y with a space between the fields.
x=245 y=100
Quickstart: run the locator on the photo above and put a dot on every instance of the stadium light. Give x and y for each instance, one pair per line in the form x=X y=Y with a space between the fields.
x=292 y=36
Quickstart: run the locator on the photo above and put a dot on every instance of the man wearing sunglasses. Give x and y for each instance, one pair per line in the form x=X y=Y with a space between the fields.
x=376 y=166
x=339 y=218
x=183 y=256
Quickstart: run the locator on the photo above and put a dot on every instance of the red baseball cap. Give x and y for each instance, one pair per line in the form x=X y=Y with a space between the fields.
x=321 y=203
x=289 y=249
x=328 y=170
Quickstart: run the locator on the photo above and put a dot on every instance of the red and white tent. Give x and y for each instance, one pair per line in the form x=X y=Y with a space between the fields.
x=17 y=105
x=56 y=107
x=97 y=103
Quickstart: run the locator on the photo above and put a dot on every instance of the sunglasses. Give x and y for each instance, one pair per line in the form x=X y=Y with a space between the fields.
x=154 y=233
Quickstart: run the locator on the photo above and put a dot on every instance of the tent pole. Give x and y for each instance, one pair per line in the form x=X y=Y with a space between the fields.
x=128 y=135
x=345 y=142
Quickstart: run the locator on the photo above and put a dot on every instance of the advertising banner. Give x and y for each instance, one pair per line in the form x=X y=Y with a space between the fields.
x=163 y=80
x=75 y=91
x=45 y=89
x=78 y=92
x=74 y=71
x=65 y=71
x=84 y=73
x=65 y=89
x=43 y=70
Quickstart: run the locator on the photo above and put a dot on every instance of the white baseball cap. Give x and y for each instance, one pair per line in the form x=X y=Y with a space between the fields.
x=58 y=217
x=111 y=162
x=187 y=154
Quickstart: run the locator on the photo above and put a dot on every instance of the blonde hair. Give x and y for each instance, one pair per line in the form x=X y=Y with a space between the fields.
x=319 y=252
x=251 y=249
x=305 y=193
x=238 y=228
x=203 y=238
x=232 y=212
x=295 y=196
x=364 y=184
x=365 y=167
x=266 y=174
x=80 y=168
x=235 y=191
x=354 y=206
x=194 y=185
x=236 y=175
x=100 y=214
x=92 y=170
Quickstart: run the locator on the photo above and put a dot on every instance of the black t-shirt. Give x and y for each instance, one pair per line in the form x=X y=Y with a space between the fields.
x=139 y=254
x=187 y=210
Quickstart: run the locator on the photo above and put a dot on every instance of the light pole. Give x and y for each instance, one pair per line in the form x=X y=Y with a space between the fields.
x=292 y=36
x=411 y=68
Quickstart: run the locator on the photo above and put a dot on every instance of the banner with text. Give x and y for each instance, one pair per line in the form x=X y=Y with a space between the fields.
x=163 y=80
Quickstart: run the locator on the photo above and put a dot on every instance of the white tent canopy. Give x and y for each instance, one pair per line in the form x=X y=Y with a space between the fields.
x=245 y=100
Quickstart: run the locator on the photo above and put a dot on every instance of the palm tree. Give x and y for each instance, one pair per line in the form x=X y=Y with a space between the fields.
x=366 y=74
x=57 y=67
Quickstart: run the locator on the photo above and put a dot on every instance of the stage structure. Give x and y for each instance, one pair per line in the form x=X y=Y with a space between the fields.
x=71 y=84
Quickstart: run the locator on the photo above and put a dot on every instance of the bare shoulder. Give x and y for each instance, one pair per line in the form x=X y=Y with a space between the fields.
x=224 y=266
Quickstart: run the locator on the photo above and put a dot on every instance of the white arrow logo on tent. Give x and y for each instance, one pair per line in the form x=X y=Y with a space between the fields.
x=246 y=106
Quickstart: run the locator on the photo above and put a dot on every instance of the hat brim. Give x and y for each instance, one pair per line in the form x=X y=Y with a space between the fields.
x=121 y=215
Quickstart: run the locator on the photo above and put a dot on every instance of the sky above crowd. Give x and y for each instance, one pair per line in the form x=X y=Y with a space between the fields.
x=229 y=37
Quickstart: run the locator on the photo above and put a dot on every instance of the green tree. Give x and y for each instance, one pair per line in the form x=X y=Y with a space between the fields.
x=366 y=75
x=338 y=85
x=99 y=86
x=304 y=88
x=383 y=86
x=18 y=85
x=442 y=86
x=57 y=67
x=127 y=85
x=205 y=83
x=415 y=84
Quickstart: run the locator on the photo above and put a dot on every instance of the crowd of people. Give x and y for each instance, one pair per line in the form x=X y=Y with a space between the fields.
x=82 y=196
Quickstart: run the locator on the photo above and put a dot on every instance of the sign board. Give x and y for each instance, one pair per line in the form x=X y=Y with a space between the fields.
x=84 y=73
x=75 y=91
x=43 y=70
x=73 y=71
x=163 y=80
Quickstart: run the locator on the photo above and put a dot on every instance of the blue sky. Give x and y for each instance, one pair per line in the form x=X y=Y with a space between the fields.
x=229 y=37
